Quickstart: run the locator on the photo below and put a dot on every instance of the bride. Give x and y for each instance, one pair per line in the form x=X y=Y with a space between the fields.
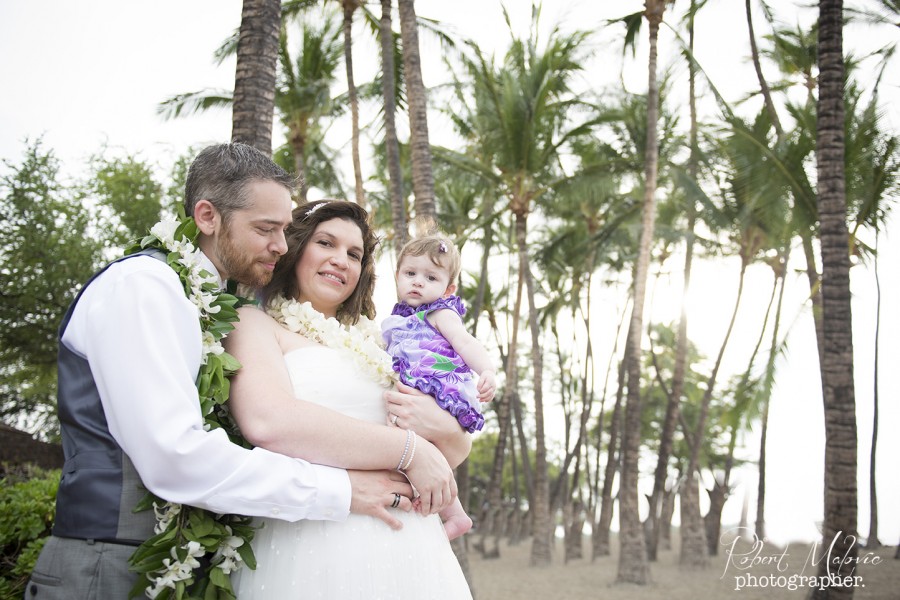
x=310 y=356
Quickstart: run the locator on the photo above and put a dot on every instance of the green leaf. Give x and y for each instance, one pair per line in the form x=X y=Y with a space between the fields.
x=219 y=578
x=247 y=555
x=442 y=363
x=146 y=503
x=149 y=562
x=201 y=522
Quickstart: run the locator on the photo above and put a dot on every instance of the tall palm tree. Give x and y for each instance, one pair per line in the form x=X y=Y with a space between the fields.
x=392 y=146
x=872 y=540
x=254 y=79
x=303 y=100
x=672 y=409
x=779 y=266
x=839 y=527
x=349 y=7
x=422 y=177
x=518 y=132
x=633 y=566
x=303 y=96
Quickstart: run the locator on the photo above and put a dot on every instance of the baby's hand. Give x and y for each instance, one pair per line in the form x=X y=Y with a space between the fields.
x=487 y=386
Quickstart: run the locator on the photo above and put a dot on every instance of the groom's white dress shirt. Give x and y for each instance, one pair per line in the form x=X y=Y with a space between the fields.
x=141 y=336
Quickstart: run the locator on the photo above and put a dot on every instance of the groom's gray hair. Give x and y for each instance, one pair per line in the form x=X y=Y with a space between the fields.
x=221 y=173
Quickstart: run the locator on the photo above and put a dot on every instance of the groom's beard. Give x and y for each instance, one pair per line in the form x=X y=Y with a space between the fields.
x=241 y=265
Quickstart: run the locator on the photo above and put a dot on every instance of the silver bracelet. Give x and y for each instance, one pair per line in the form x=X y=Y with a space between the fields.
x=409 y=434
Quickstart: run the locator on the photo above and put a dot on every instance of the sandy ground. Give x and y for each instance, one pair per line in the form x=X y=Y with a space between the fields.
x=511 y=578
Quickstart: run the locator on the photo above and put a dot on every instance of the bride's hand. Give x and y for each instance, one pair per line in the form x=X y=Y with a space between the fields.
x=408 y=408
x=431 y=476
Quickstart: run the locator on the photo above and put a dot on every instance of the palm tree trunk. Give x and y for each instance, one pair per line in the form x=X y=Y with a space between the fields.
x=712 y=521
x=514 y=523
x=763 y=86
x=815 y=292
x=694 y=547
x=681 y=345
x=665 y=518
x=494 y=493
x=487 y=243
x=524 y=444
x=540 y=509
x=671 y=418
x=420 y=150
x=839 y=527
x=633 y=566
x=391 y=144
x=872 y=541
x=600 y=536
x=350 y=7
x=587 y=401
x=254 y=78
x=600 y=526
x=298 y=145
x=766 y=399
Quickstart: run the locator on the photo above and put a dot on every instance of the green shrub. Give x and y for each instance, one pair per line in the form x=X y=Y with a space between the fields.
x=27 y=503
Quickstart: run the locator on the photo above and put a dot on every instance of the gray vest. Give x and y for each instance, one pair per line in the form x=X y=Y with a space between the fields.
x=99 y=486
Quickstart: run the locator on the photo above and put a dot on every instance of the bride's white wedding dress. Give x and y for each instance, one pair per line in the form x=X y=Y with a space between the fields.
x=361 y=557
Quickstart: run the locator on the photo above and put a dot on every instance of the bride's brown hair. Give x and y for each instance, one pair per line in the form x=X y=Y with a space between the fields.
x=303 y=224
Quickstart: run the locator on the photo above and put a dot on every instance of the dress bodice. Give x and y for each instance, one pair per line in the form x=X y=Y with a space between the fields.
x=324 y=376
x=360 y=558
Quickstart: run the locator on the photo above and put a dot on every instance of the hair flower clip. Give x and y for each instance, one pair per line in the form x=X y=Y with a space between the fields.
x=442 y=248
x=315 y=208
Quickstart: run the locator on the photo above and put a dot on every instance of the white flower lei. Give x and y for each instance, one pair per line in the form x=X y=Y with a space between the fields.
x=198 y=280
x=188 y=533
x=361 y=340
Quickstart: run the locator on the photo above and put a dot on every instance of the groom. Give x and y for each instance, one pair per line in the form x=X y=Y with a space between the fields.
x=129 y=355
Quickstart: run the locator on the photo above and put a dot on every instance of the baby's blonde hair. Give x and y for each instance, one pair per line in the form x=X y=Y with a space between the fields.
x=442 y=252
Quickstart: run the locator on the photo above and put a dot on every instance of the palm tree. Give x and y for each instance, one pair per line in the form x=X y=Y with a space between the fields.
x=303 y=96
x=517 y=131
x=794 y=51
x=349 y=7
x=633 y=566
x=254 y=79
x=392 y=146
x=839 y=527
x=763 y=84
x=591 y=216
x=779 y=266
x=422 y=177
x=872 y=540
x=303 y=100
x=672 y=409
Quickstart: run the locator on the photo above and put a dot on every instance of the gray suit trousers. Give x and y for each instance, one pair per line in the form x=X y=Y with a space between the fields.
x=69 y=569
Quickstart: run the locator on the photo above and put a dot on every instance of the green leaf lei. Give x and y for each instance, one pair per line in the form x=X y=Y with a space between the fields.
x=194 y=550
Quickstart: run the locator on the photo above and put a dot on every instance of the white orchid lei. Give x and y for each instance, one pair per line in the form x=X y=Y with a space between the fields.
x=193 y=550
x=361 y=340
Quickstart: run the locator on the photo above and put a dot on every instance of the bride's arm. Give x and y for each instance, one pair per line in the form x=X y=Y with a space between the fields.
x=419 y=412
x=263 y=405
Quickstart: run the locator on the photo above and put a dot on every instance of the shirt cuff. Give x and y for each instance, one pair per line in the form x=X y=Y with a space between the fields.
x=333 y=497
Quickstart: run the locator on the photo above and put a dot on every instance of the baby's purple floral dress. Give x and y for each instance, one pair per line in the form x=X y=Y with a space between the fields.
x=426 y=361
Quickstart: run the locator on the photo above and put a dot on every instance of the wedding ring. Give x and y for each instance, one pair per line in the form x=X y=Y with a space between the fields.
x=393 y=419
x=396 y=501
